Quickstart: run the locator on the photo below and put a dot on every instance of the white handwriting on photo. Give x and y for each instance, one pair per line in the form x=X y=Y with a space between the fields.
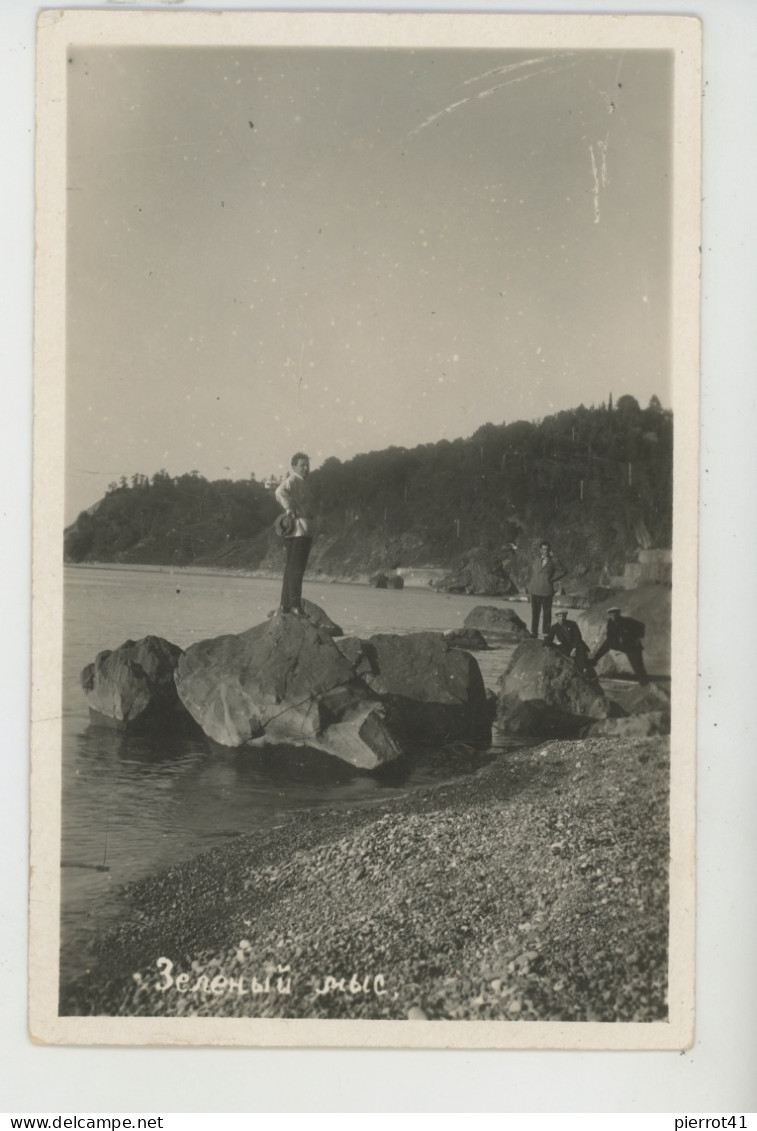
x=278 y=982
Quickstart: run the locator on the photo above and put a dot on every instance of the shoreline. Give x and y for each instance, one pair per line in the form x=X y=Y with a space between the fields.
x=534 y=889
x=222 y=571
x=412 y=578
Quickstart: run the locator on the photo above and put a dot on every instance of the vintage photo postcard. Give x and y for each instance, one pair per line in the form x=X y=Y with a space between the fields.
x=365 y=530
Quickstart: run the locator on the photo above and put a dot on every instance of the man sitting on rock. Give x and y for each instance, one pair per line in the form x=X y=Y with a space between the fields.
x=623 y=634
x=565 y=636
x=295 y=496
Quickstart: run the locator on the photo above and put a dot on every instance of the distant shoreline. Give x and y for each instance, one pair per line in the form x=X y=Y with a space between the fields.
x=413 y=577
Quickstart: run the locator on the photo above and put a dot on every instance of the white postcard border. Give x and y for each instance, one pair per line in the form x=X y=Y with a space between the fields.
x=56 y=30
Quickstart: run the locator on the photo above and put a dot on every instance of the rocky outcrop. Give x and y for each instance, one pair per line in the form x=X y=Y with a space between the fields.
x=543 y=692
x=132 y=687
x=383 y=580
x=651 y=605
x=285 y=682
x=436 y=691
x=481 y=572
x=497 y=624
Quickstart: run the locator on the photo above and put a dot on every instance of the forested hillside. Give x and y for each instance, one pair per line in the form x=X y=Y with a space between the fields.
x=596 y=481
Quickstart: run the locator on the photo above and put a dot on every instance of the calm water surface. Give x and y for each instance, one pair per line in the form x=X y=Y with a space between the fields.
x=137 y=805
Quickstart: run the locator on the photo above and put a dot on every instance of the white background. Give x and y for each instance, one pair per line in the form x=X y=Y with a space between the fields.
x=718 y=1074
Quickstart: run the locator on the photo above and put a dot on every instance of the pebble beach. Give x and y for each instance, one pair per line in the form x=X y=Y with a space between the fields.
x=535 y=889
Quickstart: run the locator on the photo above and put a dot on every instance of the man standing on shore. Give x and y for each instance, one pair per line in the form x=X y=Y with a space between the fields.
x=295 y=496
x=544 y=573
x=623 y=634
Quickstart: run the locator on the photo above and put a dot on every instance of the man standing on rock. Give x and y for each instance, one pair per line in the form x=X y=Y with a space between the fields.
x=623 y=634
x=295 y=496
x=545 y=573
x=566 y=637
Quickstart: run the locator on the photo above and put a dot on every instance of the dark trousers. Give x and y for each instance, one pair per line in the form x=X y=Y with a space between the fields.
x=541 y=605
x=636 y=660
x=298 y=550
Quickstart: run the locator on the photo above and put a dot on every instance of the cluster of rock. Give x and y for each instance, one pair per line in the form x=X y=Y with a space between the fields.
x=544 y=694
x=298 y=681
x=383 y=580
x=482 y=572
x=291 y=683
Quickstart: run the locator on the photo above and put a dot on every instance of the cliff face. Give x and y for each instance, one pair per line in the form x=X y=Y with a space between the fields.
x=597 y=483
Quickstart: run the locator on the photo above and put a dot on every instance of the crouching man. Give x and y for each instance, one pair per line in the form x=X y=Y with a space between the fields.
x=623 y=634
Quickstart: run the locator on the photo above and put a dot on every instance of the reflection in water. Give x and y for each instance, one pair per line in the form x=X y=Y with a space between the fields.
x=136 y=804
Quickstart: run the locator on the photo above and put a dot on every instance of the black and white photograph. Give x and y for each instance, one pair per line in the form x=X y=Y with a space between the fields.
x=366 y=409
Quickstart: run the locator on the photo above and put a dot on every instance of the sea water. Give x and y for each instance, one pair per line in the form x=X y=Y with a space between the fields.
x=132 y=806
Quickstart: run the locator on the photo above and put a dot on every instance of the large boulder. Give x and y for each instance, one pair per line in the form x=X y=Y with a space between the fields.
x=534 y=718
x=435 y=690
x=284 y=682
x=497 y=623
x=132 y=687
x=650 y=604
x=561 y=700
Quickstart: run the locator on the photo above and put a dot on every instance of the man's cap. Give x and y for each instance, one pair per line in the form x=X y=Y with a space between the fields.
x=613 y=609
x=561 y=613
x=285 y=525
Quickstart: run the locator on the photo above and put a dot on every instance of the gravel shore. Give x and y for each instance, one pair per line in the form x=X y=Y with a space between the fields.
x=536 y=889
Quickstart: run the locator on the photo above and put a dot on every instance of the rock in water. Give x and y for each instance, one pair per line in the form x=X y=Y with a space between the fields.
x=553 y=686
x=470 y=639
x=437 y=691
x=497 y=623
x=284 y=682
x=133 y=687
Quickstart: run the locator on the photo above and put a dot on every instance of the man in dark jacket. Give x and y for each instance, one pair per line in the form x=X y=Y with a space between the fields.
x=541 y=588
x=623 y=634
x=565 y=636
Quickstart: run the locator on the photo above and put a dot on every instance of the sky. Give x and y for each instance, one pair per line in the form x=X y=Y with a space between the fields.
x=339 y=250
